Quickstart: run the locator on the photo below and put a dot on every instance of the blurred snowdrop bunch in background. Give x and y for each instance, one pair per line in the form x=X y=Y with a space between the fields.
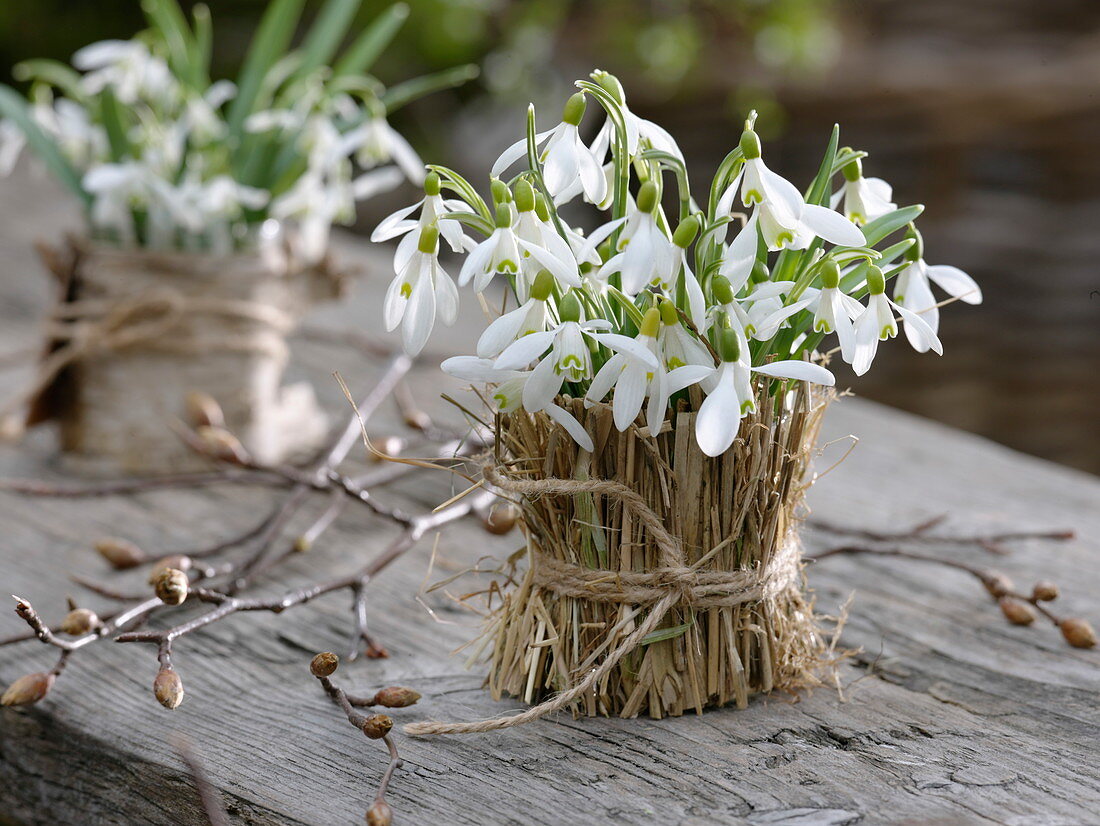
x=164 y=158
x=713 y=303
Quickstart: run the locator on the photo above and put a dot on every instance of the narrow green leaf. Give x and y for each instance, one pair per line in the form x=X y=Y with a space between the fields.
x=403 y=93
x=890 y=223
x=110 y=113
x=366 y=48
x=203 y=43
x=662 y=634
x=632 y=311
x=270 y=43
x=52 y=72
x=326 y=34
x=13 y=107
x=166 y=18
x=819 y=189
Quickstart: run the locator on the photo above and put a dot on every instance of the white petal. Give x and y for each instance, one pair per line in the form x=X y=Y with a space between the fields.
x=629 y=395
x=917 y=330
x=393 y=307
x=593 y=180
x=405 y=155
x=471 y=368
x=446 y=297
x=604 y=379
x=503 y=331
x=514 y=152
x=565 y=272
x=800 y=370
x=597 y=237
x=542 y=386
x=718 y=420
x=832 y=226
x=628 y=346
x=522 y=352
x=571 y=425
x=956 y=282
x=372 y=183
x=477 y=262
x=419 y=316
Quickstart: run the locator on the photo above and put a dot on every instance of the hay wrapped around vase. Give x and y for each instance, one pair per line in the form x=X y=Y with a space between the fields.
x=717 y=576
x=208 y=207
x=654 y=391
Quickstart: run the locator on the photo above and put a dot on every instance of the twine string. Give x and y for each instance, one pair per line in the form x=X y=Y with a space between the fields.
x=674 y=583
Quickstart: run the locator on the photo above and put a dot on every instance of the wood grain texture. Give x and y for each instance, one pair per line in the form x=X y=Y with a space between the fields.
x=949 y=714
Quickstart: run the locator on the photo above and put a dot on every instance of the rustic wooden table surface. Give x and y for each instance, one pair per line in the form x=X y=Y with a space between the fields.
x=949 y=715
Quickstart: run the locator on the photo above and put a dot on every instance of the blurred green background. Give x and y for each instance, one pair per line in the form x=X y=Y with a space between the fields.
x=987 y=111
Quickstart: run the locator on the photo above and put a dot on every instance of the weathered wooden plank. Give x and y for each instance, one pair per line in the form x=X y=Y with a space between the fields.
x=949 y=714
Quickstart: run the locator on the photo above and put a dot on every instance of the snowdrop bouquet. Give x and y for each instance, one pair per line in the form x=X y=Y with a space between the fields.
x=163 y=158
x=744 y=282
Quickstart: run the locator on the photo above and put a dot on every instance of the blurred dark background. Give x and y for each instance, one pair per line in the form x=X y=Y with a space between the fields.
x=987 y=111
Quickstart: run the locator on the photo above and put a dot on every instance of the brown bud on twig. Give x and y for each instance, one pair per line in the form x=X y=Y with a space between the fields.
x=203 y=411
x=171 y=585
x=380 y=814
x=1078 y=632
x=79 y=621
x=501 y=518
x=221 y=444
x=396 y=696
x=177 y=562
x=1016 y=612
x=120 y=553
x=377 y=726
x=324 y=664
x=30 y=688
x=168 y=687
x=1044 y=591
x=997 y=584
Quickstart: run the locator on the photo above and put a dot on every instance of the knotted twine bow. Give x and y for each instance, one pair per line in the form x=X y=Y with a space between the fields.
x=160 y=320
x=673 y=583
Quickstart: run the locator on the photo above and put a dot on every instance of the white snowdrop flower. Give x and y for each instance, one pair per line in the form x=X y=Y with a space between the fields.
x=647 y=255
x=640 y=133
x=565 y=157
x=541 y=247
x=434 y=209
x=877 y=323
x=638 y=371
x=730 y=395
x=129 y=69
x=376 y=142
x=528 y=318
x=862 y=200
x=913 y=291
x=116 y=190
x=419 y=293
x=499 y=253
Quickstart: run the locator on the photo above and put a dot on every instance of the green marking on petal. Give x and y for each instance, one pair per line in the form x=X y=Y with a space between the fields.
x=406 y=290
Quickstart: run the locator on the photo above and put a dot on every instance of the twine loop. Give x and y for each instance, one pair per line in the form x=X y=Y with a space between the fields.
x=672 y=584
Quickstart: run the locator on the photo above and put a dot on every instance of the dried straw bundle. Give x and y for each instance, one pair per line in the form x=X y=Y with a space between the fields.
x=744 y=624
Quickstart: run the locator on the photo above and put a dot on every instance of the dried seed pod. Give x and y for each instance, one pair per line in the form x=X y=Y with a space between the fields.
x=380 y=814
x=203 y=410
x=324 y=664
x=30 y=688
x=1044 y=591
x=1078 y=632
x=997 y=584
x=396 y=696
x=1016 y=612
x=168 y=687
x=221 y=444
x=171 y=585
x=79 y=621
x=177 y=562
x=501 y=518
x=119 y=552
x=377 y=726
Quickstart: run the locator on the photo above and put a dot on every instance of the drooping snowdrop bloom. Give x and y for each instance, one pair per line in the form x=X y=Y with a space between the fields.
x=833 y=310
x=877 y=323
x=420 y=291
x=128 y=68
x=913 y=291
x=640 y=133
x=541 y=247
x=730 y=395
x=116 y=190
x=499 y=253
x=528 y=318
x=646 y=254
x=863 y=199
x=376 y=143
x=434 y=209
x=639 y=371
x=565 y=157
x=786 y=221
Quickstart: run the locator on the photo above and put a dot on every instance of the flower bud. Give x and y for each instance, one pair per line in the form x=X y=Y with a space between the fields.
x=171 y=586
x=669 y=316
x=686 y=232
x=916 y=251
x=647 y=197
x=876 y=282
x=1044 y=591
x=750 y=144
x=727 y=345
x=651 y=323
x=396 y=696
x=28 y=689
x=501 y=519
x=168 y=687
x=221 y=444
x=525 y=195
x=722 y=289
x=377 y=726
x=853 y=171
x=203 y=410
x=574 y=109
x=78 y=622
x=830 y=274
x=380 y=814
x=569 y=308
x=541 y=208
x=543 y=286
x=1016 y=612
x=177 y=561
x=502 y=196
x=432 y=184
x=997 y=584
x=759 y=273
x=1078 y=632
x=610 y=84
x=503 y=216
x=429 y=240
x=324 y=664
x=120 y=553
